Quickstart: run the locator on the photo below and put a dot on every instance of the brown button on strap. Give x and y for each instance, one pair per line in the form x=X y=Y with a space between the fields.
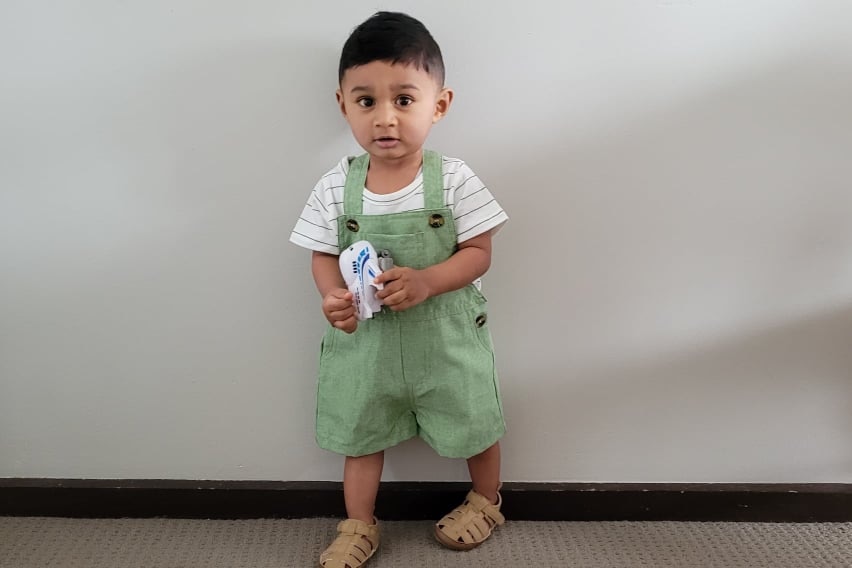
x=481 y=319
x=436 y=220
x=352 y=225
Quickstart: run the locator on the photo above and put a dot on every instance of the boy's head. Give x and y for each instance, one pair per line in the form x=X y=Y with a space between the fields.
x=395 y=38
x=392 y=86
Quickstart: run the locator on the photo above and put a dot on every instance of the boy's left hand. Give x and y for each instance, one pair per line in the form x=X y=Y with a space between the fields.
x=404 y=287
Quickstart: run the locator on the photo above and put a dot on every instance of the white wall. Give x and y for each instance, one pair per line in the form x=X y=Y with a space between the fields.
x=680 y=310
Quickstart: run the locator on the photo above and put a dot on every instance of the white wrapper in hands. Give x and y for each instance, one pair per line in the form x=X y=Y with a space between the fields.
x=359 y=266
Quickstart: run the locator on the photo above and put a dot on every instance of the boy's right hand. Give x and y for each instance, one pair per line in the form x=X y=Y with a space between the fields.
x=339 y=310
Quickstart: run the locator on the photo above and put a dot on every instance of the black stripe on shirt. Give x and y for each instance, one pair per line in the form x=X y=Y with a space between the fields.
x=315 y=240
x=465 y=181
x=332 y=188
x=318 y=200
x=480 y=223
x=477 y=209
x=472 y=194
x=314 y=224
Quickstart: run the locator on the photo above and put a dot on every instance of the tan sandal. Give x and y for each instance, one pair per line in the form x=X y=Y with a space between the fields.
x=356 y=542
x=468 y=525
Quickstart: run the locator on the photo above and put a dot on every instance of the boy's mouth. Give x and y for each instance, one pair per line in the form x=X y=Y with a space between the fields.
x=386 y=142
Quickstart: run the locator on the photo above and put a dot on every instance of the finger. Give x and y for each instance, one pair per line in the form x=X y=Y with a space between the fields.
x=344 y=314
x=390 y=288
x=348 y=325
x=333 y=304
x=339 y=294
x=403 y=305
x=395 y=298
x=388 y=276
x=341 y=310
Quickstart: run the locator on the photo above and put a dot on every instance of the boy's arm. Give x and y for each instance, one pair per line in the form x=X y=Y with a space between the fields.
x=406 y=287
x=337 y=303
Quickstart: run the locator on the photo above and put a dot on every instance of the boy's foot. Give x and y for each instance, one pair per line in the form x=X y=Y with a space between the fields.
x=468 y=525
x=356 y=542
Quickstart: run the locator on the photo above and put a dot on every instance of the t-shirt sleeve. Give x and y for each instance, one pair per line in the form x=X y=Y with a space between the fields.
x=475 y=210
x=316 y=228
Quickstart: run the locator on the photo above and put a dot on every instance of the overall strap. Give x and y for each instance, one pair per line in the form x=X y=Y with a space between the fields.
x=433 y=183
x=433 y=180
x=356 y=179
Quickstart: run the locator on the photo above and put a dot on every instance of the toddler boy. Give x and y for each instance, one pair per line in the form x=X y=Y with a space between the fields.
x=423 y=365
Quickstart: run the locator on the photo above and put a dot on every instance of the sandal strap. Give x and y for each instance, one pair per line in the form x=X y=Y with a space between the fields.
x=356 y=527
x=481 y=504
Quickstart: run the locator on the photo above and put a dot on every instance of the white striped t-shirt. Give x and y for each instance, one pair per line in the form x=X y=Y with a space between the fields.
x=474 y=208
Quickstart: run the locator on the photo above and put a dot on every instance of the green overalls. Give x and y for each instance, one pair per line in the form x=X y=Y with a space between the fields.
x=428 y=370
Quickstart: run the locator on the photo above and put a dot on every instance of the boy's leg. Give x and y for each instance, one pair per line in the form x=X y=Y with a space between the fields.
x=361 y=477
x=358 y=536
x=473 y=521
x=484 y=471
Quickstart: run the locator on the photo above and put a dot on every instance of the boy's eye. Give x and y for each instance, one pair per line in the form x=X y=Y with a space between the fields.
x=404 y=100
x=365 y=102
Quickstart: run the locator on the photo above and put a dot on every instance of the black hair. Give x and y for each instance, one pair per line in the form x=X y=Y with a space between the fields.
x=392 y=37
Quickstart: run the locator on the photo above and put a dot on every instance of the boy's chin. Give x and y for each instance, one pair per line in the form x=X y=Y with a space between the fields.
x=394 y=153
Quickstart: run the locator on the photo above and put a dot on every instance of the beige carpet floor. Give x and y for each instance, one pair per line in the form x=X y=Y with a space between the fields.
x=35 y=542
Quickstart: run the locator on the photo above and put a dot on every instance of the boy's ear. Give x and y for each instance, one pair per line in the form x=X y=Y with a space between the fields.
x=445 y=99
x=341 y=102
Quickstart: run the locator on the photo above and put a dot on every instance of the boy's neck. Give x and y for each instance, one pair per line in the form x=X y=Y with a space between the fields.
x=388 y=176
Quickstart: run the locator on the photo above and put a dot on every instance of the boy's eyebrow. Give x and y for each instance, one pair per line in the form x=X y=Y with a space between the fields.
x=360 y=88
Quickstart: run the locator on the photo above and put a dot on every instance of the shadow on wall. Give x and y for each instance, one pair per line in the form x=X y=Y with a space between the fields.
x=684 y=293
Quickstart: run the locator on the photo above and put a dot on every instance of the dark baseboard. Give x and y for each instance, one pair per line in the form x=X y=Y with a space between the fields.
x=85 y=498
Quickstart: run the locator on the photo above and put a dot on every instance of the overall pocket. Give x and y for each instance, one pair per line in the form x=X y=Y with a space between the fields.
x=405 y=249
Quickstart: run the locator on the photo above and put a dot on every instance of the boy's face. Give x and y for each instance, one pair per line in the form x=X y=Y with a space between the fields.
x=391 y=108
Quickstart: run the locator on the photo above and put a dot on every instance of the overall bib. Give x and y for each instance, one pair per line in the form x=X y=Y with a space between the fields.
x=428 y=370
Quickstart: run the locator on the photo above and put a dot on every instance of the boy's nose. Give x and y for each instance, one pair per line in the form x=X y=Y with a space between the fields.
x=385 y=115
